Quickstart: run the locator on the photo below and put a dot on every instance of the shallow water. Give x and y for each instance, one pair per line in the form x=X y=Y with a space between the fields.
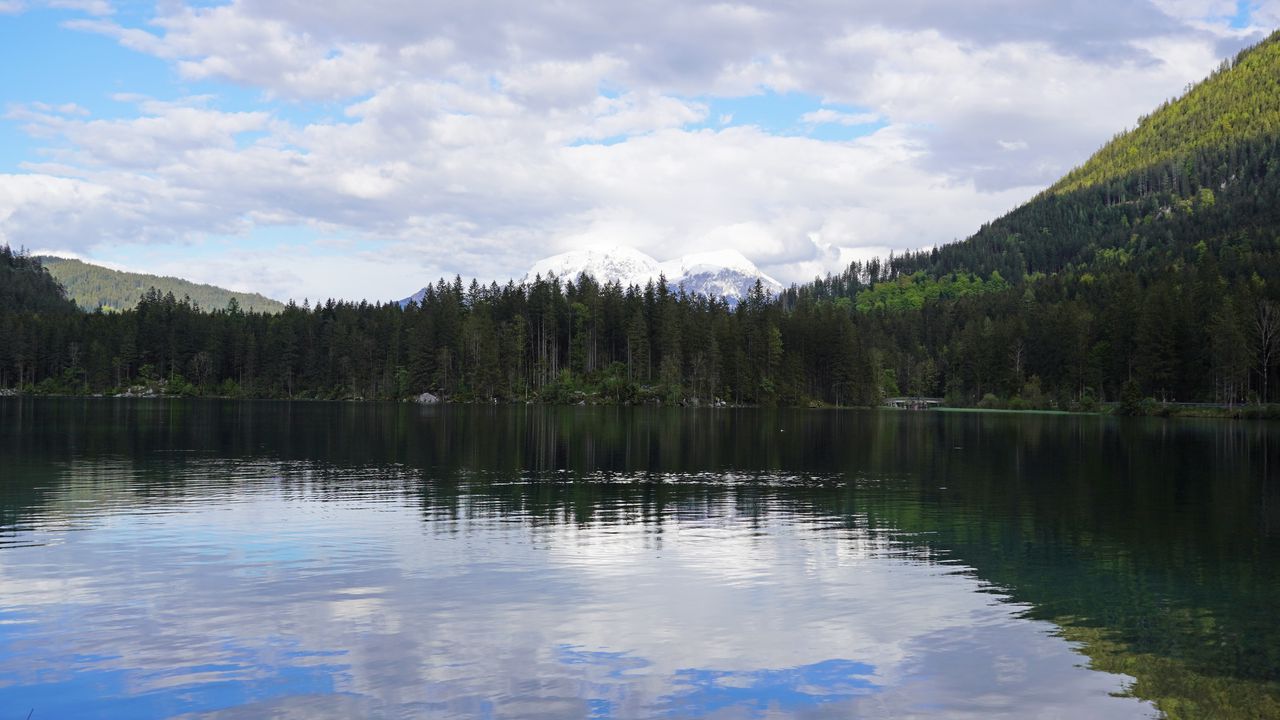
x=221 y=559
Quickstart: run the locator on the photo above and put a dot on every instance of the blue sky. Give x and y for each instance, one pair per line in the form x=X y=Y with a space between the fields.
x=361 y=150
x=43 y=61
x=1243 y=15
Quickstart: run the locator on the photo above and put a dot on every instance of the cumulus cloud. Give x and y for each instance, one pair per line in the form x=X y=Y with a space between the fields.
x=1266 y=14
x=475 y=139
x=827 y=116
x=1197 y=9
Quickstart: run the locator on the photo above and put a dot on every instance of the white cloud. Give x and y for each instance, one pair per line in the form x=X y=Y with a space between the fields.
x=827 y=116
x=99 y=8
x=1197 y=9
x=164 y=134
x=1266 y=14
x=68 y=255
x=41 y=198
x=475 y=139
x=92 y=7
x=63 y=109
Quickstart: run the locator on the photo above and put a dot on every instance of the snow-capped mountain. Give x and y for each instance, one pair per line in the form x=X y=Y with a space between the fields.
x=624 y=265
x=724 y=274
x=416 y=297
x=720 y=273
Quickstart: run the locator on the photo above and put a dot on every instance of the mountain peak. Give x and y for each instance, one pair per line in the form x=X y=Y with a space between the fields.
x=606 y=264
x=724 y=273
x=726 y=259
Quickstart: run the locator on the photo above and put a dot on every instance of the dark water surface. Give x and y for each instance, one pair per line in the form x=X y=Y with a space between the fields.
x=245 y=560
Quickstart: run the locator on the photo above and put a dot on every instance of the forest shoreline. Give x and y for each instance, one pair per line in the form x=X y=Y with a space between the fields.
x=1149 y=408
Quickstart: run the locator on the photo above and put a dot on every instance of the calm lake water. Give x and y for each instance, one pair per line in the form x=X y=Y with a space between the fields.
x=210 y=559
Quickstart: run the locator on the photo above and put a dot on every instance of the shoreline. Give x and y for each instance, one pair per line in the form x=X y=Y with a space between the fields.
x=1166 y=410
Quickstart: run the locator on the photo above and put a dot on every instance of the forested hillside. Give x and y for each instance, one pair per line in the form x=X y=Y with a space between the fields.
x=26 y=287
x=1154 y=271
x=1158 y=262
x=93 y=286
x=1240 y=101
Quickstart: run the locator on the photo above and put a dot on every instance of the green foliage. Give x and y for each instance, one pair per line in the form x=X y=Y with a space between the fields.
x=25 y=286
x=911 y=292
x=94 y=286
x=1131 y=399
x=573 y=342
x=1241 y=101
x=991 y=402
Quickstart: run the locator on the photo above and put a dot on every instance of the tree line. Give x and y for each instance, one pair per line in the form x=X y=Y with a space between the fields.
x=1066 y=340
x=552 y=340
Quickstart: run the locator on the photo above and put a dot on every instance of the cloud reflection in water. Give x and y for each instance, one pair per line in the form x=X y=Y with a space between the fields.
x=323 y=598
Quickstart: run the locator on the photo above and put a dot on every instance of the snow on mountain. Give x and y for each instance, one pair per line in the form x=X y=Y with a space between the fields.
x=719 y=273
x=606 y=264
x=724 y=274
x=416 y=297
x=714 y=260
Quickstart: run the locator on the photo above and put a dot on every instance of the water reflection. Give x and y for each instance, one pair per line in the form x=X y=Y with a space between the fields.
x=248 y=560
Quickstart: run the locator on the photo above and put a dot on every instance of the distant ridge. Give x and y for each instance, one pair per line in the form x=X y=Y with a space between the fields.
x=93 y=286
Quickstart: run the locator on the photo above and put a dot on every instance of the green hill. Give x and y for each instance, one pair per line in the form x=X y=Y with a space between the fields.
x=94 y=286
x=1241 y=101
x=1201 y=173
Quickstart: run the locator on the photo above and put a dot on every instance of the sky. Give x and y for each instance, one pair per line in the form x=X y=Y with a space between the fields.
x=362 y=148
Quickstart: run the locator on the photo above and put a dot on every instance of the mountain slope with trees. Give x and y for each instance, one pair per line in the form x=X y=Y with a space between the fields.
x=1238 y=102
x=27 y=287
x=93 y=286
x=1155 y=266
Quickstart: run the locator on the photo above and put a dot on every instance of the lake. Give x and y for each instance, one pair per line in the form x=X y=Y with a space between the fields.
x=222 y=559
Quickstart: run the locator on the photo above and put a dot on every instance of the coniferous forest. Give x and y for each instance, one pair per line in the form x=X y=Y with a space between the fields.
x=1153 y=271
